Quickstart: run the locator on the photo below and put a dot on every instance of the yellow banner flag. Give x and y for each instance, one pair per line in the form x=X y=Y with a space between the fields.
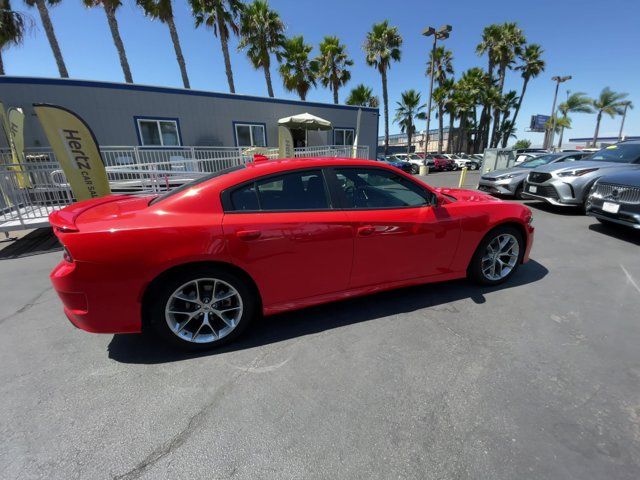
x=76 y=149
x=285 y=143
x=4 y=124
x=16 y=130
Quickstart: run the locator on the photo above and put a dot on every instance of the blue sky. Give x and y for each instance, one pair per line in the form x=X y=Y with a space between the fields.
x=594 y=41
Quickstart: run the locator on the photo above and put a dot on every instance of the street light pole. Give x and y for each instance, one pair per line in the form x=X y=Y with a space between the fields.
x=440 y=34
x=551 y=131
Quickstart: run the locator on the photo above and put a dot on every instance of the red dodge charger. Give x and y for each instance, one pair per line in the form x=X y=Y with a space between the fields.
x=198 y=263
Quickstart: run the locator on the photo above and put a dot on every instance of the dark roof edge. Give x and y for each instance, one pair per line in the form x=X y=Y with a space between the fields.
x=170 y=90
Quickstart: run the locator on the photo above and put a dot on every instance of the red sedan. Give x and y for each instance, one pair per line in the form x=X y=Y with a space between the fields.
x=198 y=263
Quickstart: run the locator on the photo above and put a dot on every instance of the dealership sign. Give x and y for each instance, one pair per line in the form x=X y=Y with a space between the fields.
x=538 y=122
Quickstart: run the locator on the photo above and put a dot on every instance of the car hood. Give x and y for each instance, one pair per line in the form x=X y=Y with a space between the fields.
x=629 y=178
x=504 y=171
x=560 y=166
x=467 y=195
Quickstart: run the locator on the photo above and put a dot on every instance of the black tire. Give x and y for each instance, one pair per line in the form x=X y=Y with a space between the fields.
x=474 y=271
x=518 y=192
x=163 y=292
x=414 y=169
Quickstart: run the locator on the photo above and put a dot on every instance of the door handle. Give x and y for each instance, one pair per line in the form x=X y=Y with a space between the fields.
x=248 y=234
x=366 y=230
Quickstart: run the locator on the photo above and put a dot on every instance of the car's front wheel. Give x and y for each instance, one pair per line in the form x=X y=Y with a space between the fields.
x=497 y=257
x=201 y=308
x=414 y=169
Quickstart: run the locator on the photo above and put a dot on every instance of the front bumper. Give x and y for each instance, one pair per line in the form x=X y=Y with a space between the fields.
x=628 y=215
x=499 y=187
x=553 y=191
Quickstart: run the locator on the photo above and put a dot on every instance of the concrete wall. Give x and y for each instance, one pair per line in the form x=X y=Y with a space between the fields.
x=205 y=118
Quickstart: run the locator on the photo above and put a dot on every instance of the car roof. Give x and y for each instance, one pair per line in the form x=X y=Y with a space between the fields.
x=268 y=167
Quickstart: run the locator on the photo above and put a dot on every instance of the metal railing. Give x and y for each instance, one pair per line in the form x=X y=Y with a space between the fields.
x=30 y=191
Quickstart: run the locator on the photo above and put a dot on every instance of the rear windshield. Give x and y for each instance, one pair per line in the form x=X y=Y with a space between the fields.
x=621 y=153
x=195 y=182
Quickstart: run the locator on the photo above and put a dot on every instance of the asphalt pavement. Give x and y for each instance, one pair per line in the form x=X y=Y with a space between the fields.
x=538 y=378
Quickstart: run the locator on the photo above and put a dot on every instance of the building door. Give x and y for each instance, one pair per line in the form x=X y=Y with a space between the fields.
x=299 y=136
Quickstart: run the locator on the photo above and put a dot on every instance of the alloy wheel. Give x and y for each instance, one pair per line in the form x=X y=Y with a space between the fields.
x=500 y=257
x=203 y=310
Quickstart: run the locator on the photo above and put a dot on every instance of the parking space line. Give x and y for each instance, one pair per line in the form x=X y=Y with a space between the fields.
x=630 y=278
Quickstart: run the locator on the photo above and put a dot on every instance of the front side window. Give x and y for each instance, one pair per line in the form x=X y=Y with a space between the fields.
x=292 y=191
x=250 y=135
x=374 y=188
x=343 y=136
x=158 y=133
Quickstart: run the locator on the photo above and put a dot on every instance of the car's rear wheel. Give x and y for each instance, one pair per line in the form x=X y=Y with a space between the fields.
x=414 y=169
x=498 y=256
x=202 y=308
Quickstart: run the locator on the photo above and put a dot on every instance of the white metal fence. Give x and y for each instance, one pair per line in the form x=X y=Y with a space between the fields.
x=30 y=191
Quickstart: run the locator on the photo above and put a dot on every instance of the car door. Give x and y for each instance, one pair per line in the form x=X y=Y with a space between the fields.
x=283 y=230
x=400 y=233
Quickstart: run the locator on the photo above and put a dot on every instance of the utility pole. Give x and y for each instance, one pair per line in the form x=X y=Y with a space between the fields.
x=551 y=130
x=440 y=34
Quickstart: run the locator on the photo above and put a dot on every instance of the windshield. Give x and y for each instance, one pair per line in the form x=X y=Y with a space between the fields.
x=621 y=153
x=414 y=157
x=195 y=182
x=536 y=162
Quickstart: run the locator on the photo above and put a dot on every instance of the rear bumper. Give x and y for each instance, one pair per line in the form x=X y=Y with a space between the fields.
x=94 y=302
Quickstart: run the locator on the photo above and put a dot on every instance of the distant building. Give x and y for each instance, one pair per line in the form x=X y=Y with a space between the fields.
x=398 y=141
x=126 y=115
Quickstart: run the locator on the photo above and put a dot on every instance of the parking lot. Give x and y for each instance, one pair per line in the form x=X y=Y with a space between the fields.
x=538 y=378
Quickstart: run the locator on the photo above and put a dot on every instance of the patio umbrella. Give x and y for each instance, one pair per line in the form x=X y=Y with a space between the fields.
x=305 y=121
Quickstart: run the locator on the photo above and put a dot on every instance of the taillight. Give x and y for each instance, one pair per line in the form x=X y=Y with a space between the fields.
x=67 y=255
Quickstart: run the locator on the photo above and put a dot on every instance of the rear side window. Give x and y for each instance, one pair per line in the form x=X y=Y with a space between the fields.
x=292 y=191
x=374 y=188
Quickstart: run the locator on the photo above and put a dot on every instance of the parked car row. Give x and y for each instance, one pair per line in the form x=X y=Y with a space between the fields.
x=411 y=162
x=605 y=184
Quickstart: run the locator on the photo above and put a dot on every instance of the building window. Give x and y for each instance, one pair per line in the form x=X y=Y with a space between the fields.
x=343 y=136
x=250 y=135
x=158 y=132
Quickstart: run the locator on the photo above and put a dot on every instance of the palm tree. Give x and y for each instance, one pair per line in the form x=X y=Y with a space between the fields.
x=261 y=34
x=13 y=26
x=51 y=34
x=490 y=39
x=442 y=64
x=381 y=47
x=362 y=96
x=508 y=102
x=222 y=16
x=298 y=72
x=627 y=106
x=110 y=7
x=333 y=63
x=409 y=109
x=509 y=46
x=163 y=11
x=576 y=102
x=470 y=91
x=532 y=66
x=609 y=102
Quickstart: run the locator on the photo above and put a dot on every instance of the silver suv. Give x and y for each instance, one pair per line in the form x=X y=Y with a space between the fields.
x=569 y=185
